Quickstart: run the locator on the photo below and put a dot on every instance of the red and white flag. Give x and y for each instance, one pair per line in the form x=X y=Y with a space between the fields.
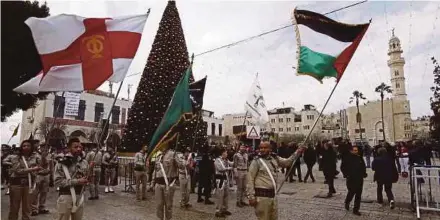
x=80 y=53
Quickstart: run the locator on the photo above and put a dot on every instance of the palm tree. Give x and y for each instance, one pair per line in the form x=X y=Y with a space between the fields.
x=356 y=96
x=382 y=89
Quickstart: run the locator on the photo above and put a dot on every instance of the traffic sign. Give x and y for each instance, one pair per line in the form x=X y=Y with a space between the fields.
x=253 y=132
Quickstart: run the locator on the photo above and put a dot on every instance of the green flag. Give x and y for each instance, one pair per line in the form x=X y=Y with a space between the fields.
x=179 y=109
x=15 y=130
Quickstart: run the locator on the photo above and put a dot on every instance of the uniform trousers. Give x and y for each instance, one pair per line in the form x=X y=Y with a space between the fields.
x=241 y=185
x=185 y=187
x=222 y=193
x=164 y=199
x=141 y=178
x=19 y=194
x=39 y=195
x=94 y=186
x=266 y=209
x=110 y=174
x=64 y=208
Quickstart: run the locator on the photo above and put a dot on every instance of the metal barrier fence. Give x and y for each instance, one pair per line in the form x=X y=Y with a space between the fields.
x=425 y=188
x=126 y=164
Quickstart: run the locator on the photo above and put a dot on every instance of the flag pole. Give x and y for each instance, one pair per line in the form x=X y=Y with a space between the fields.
x=10 y=139
x=308 y=136
x=109 y=114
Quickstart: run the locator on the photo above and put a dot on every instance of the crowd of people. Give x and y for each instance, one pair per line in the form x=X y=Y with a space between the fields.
x=30 y=169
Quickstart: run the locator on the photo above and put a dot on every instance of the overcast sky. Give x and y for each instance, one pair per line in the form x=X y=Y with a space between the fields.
x=210 y=24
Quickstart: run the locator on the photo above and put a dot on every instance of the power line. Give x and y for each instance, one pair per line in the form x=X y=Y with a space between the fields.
x=272 y=31
x=265 y=33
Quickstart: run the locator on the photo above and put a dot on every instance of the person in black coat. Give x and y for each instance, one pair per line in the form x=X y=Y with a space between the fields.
x=206 y=173
x=384 y=174
x=282 y=152
x=355 y=171
x=328 y=163
x=289 y=151
x=309 y=160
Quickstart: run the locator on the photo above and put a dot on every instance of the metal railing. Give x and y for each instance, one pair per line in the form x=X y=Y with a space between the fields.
x=425 y=188
x=126 y=167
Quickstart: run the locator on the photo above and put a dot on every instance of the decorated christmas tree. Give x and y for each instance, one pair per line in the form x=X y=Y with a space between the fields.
x=166 y=64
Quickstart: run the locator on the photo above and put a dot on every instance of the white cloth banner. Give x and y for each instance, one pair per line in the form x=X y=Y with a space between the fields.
x=255 y=104
x=72 y=103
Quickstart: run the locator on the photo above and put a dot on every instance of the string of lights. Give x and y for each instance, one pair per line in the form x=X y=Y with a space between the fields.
x=264 y=33
x=428 y=59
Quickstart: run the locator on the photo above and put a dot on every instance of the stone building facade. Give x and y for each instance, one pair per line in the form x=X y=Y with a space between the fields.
x=289 y=122
x=397 y=111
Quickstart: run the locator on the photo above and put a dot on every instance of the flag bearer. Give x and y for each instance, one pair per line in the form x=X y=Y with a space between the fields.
x=70 y=177
x=222 y=166
x=240 y=168
x=140 y=173
x=165 y=175
x=261 y=181
x=24 y=167
x=185 y=179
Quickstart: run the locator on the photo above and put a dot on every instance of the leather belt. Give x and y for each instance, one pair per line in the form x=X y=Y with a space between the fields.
x=19 y=181
x=261 y=192
x=161 y=180
x=66 y=190
x=220 y=176
x=242 y=169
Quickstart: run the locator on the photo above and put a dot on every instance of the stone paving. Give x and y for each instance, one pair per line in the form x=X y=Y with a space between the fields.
x=296 y=201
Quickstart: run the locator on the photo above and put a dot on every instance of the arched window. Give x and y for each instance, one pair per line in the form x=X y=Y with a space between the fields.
x=396 y=72
x=397 y=85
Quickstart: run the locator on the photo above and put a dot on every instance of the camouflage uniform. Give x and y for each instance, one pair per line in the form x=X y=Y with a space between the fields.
x=165 y=175
x=19 y=185
x=261 y=187
x=94 y=185
x=241 y=167
x=140 y=173
x=42 y=187
x=222 y=166
x=77 y=168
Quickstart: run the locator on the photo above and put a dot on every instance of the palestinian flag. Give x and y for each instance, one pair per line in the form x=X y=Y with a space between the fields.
x=325 y=46
x=179 y=111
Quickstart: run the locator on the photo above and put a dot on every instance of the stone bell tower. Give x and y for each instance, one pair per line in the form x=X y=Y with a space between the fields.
x=396 y=64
